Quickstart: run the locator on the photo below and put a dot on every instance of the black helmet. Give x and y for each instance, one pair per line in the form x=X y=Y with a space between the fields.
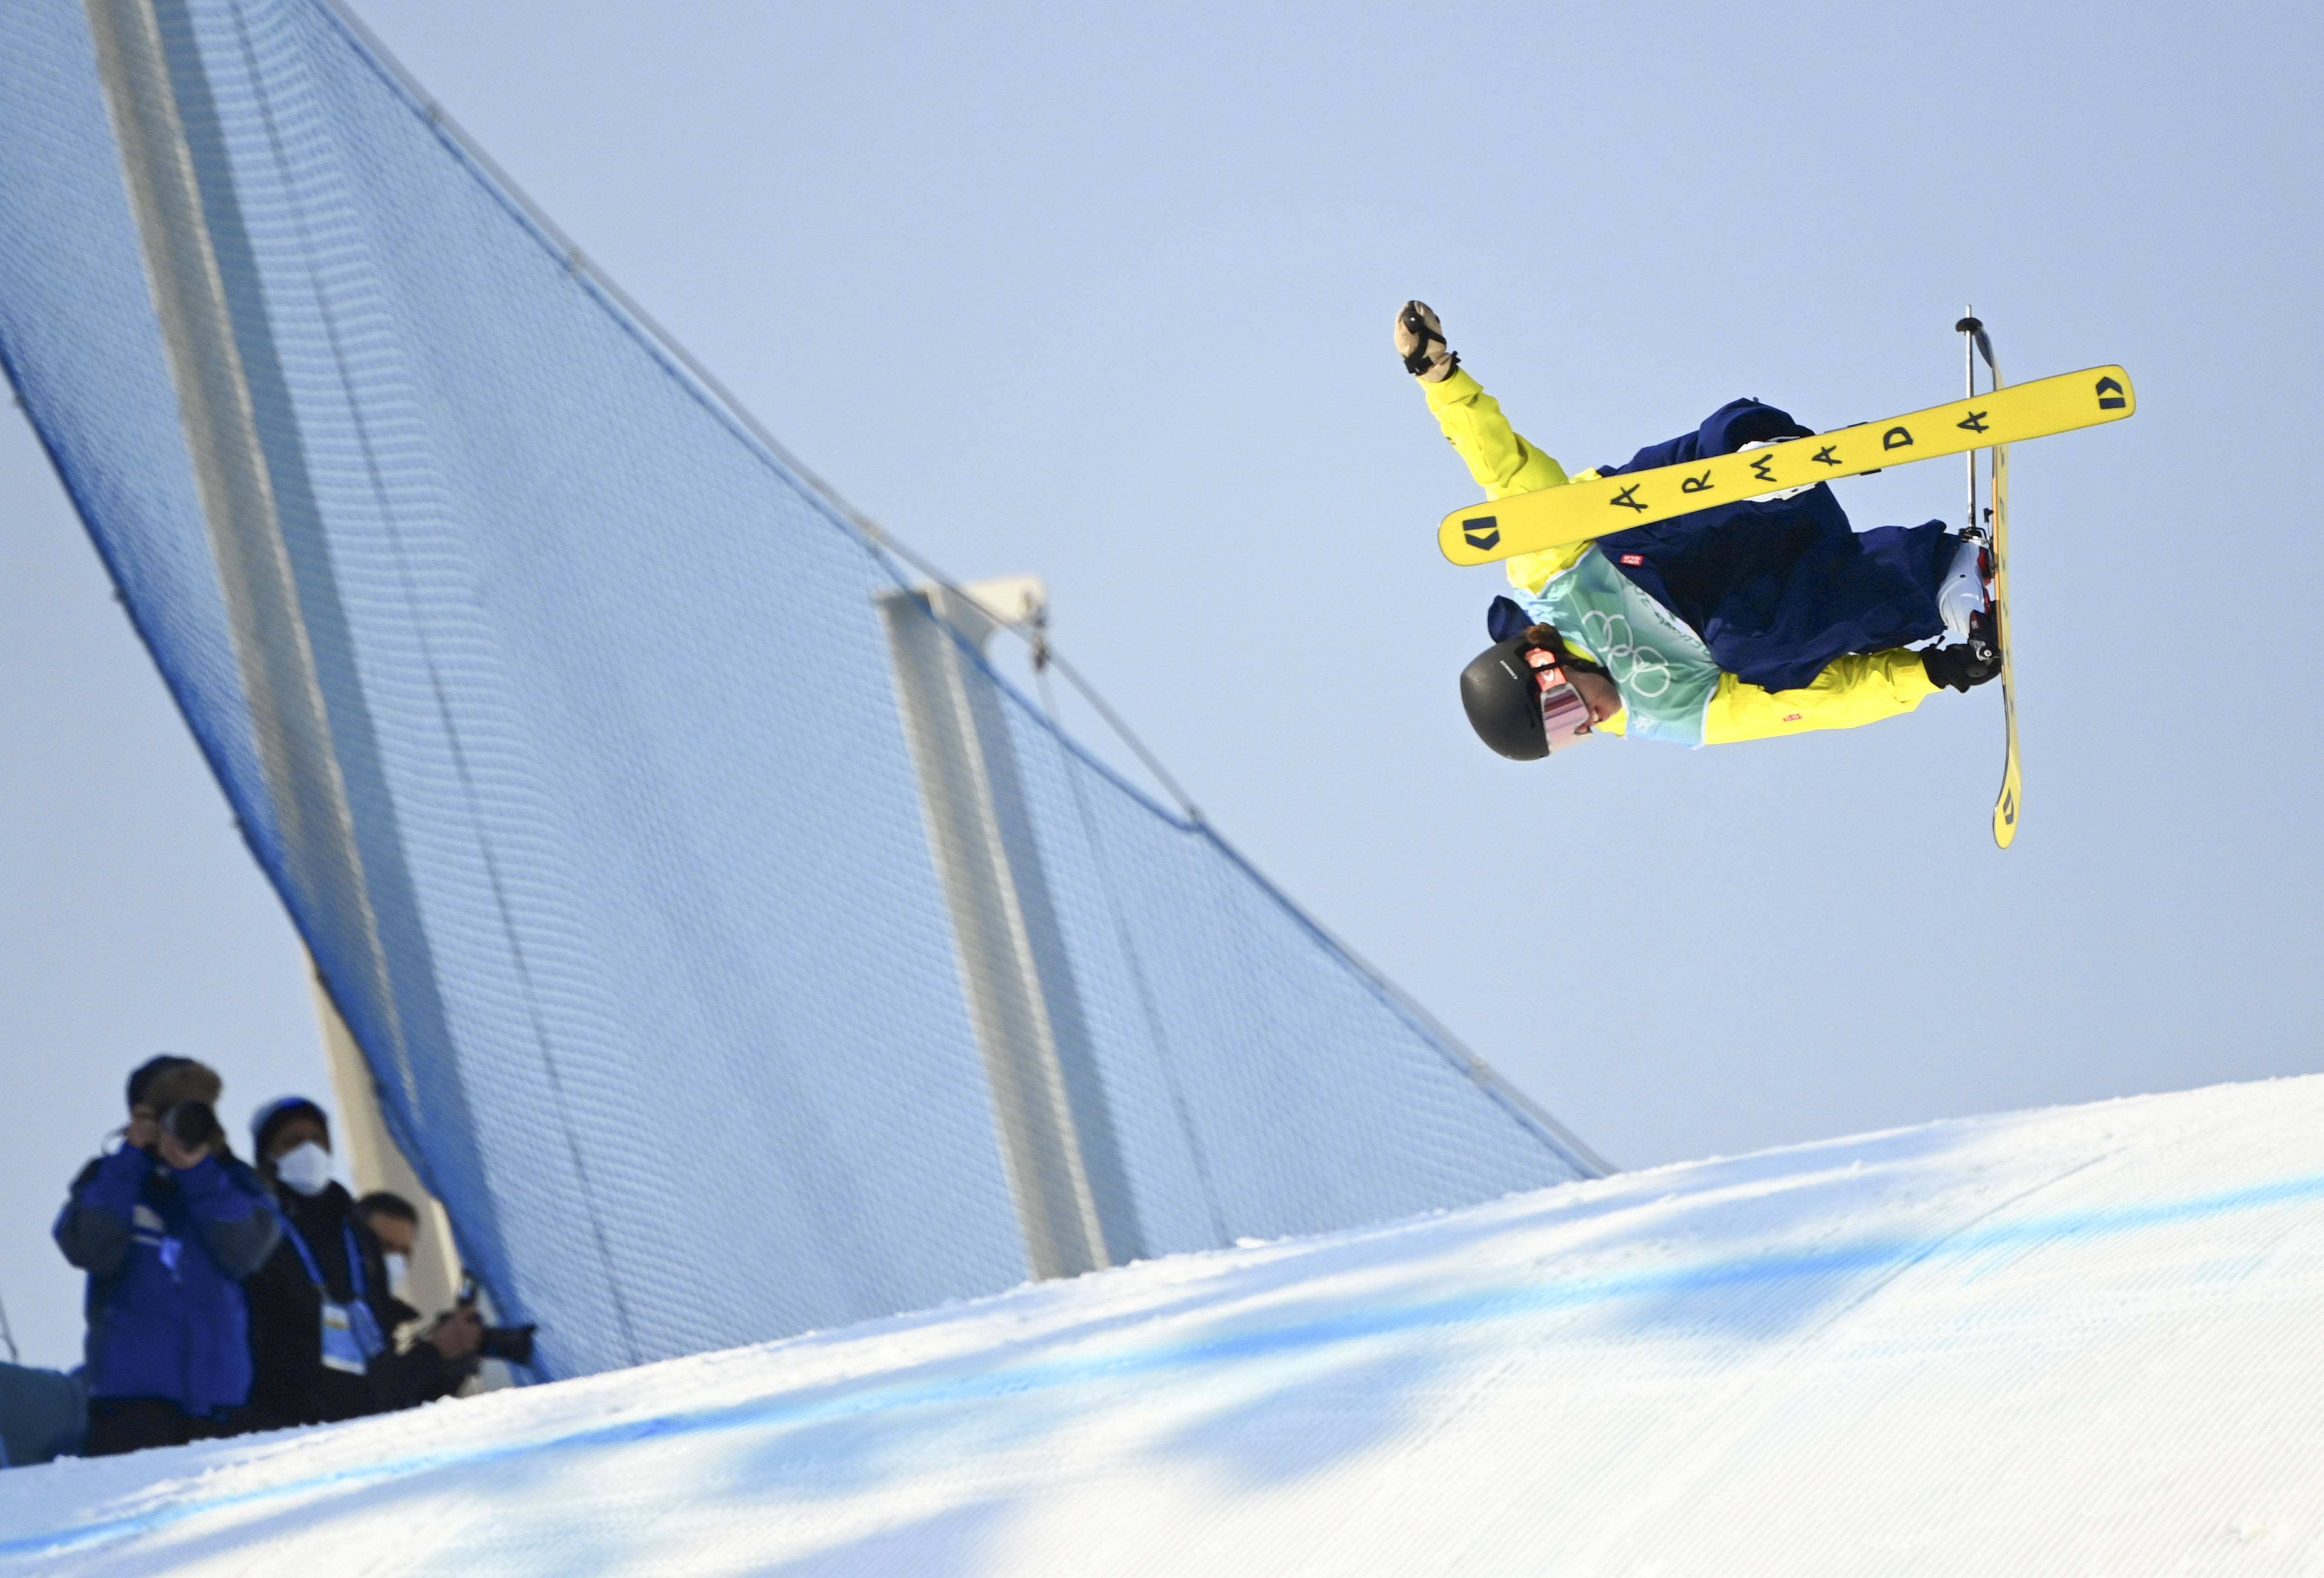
x=1501 y=690
x=1503 y=705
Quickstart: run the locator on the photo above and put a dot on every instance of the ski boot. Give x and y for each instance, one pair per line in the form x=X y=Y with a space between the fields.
x=1966 y=590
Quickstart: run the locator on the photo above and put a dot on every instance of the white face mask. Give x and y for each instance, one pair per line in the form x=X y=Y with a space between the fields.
x=398 y=1269
x=306 y=1168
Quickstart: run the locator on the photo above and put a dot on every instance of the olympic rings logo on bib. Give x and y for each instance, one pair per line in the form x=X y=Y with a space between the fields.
x=1633 y=666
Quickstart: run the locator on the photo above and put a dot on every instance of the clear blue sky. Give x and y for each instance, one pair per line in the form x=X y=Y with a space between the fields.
x=1104 y=294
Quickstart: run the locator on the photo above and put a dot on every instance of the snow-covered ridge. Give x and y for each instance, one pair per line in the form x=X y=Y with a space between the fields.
x=2090 y=1338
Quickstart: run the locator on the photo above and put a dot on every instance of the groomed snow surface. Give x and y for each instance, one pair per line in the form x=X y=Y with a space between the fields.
x=2088 y=1340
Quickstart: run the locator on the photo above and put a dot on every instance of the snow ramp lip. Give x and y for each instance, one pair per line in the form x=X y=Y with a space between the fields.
x=973 y=1378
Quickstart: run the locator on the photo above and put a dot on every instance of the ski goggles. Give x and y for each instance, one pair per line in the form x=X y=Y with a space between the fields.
x=1564 y=715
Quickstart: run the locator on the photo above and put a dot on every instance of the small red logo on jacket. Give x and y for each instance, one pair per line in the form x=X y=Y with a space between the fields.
x=1634 y=558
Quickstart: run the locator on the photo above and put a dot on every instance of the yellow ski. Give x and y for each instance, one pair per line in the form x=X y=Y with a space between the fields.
x=1525 y=523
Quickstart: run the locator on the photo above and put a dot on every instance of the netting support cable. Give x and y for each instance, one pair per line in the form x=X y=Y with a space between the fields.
x=1529 y=1113
x=242 y=478
x=398 y=551
x=717 y=396
x=1146 y=759
x=1523 y=1109
x=233 y=483
x=726 y=408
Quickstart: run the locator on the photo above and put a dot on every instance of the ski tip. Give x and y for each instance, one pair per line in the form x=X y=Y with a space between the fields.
x=2005 y=810
x=1471 y=536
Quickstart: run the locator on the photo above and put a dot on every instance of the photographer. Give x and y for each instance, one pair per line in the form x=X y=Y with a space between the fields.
x=323 y=1313
x=394 y=1221
x=167 y=1227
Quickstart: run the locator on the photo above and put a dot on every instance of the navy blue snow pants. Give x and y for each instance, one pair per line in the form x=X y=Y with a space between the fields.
x=1778 y=588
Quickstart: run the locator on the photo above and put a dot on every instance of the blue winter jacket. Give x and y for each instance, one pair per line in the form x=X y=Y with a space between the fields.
x=1778 y=588
x=166 y=1253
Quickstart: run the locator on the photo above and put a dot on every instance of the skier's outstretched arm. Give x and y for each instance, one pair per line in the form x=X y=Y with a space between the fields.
x=1861 y=688
x=1502 y=463
x=1498 y=457
x=1501 y=460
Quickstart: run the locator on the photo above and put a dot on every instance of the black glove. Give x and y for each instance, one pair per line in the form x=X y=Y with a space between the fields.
x=1960 y=667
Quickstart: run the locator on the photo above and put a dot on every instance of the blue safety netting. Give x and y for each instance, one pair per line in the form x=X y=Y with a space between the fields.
x=561 y=712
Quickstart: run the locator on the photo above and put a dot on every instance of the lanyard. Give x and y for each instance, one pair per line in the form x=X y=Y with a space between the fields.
x=315 y=1271
x=351 y=1336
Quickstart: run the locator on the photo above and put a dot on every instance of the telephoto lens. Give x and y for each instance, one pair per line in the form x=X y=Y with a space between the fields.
x=192 y=1125
x=512 y=1343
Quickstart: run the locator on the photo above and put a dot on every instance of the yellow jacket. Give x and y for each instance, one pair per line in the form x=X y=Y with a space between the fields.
x=1861 y=688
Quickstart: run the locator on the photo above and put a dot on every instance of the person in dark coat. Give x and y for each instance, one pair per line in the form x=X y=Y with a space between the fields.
x=167 y=1227
x=322 y=1314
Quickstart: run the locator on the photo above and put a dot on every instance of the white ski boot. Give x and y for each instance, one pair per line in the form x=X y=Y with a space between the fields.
x=1965 y=592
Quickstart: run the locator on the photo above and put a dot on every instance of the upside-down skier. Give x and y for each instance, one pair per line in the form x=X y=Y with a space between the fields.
x=1741 y=621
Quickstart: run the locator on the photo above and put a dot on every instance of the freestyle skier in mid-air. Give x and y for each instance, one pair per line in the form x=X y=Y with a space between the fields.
x=1741 y=621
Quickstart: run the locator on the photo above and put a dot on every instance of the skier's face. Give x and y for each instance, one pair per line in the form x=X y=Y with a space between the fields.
x=1599 y=692
x=1572 y=702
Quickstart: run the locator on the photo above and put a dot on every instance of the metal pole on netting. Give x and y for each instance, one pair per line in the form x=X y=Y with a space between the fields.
x=1059 y=1147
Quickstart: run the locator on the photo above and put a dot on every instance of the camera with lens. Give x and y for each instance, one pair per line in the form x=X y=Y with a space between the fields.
x=510 y=1343
x=193 y=1125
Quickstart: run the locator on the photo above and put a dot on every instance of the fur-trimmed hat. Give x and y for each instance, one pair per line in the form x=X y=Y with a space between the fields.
x=161 y=1083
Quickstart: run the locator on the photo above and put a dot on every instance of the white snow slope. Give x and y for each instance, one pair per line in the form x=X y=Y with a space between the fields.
x=2088 y=1340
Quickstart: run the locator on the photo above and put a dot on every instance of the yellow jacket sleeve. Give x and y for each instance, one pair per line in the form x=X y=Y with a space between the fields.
x=1503 y=464
x=1861 y=688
